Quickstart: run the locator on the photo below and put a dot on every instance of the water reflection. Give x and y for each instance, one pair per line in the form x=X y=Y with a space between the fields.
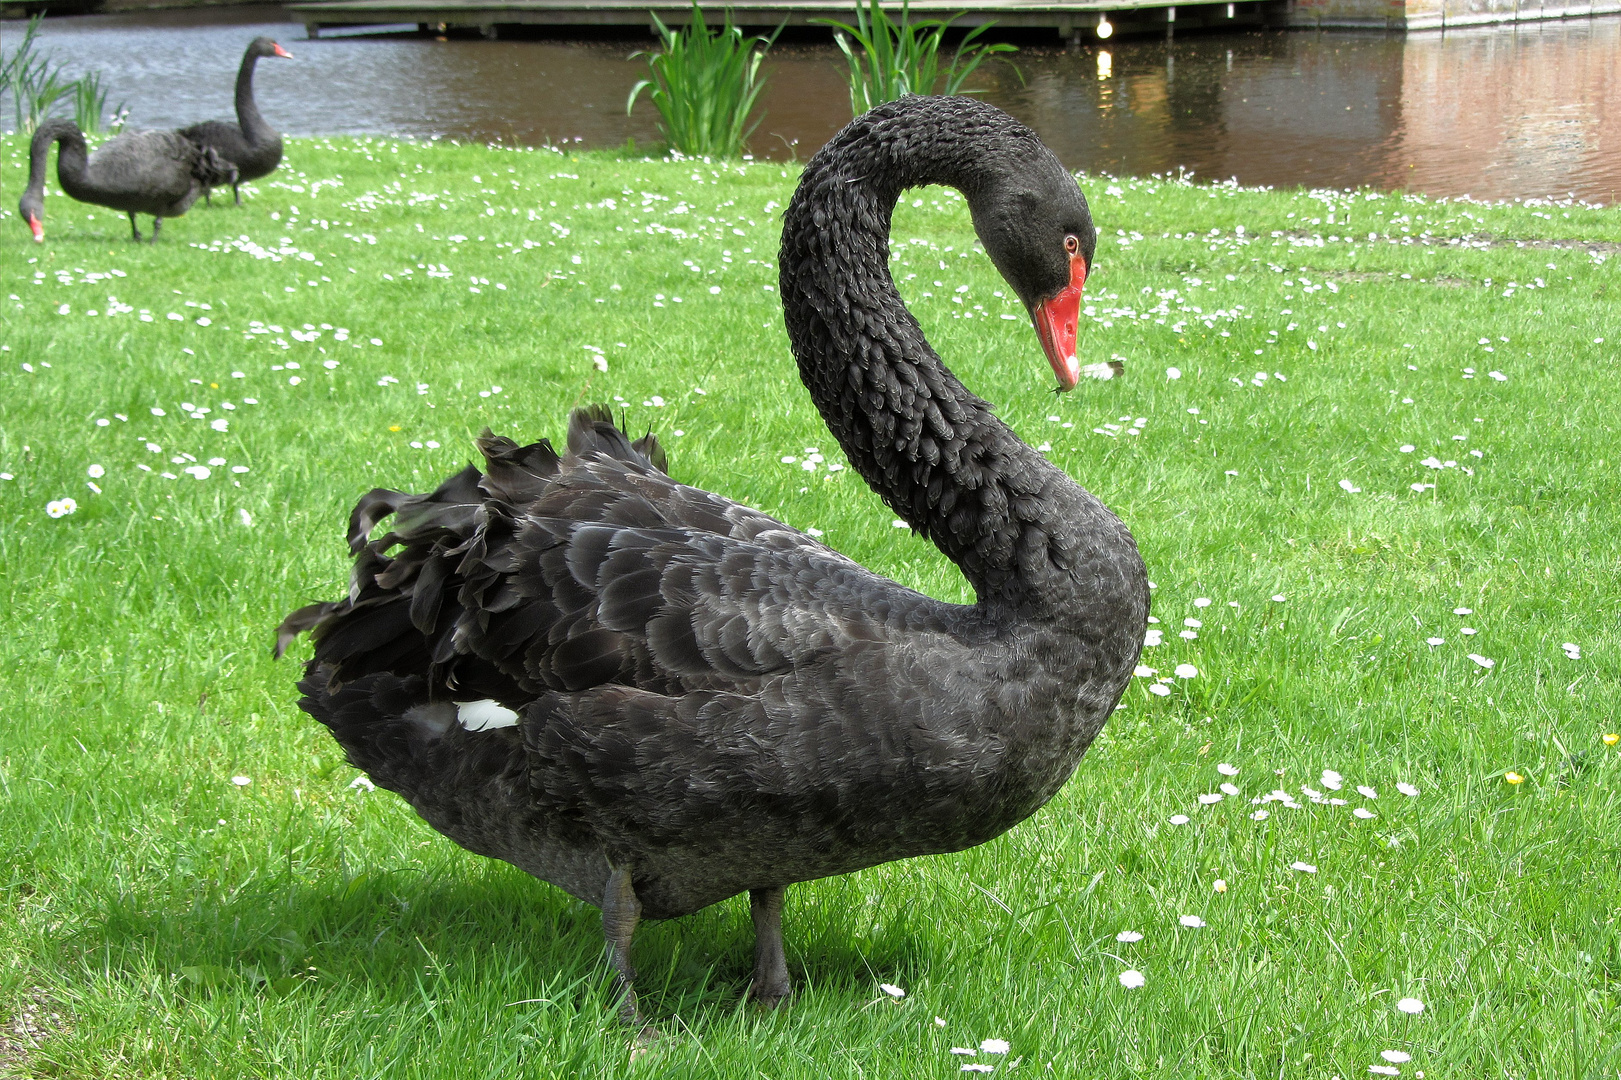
x=1497 y=112
x=1494 y=112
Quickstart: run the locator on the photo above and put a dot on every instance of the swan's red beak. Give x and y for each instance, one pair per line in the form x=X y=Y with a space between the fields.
x=282 y=52
x=1056 y=320
x=36 y=228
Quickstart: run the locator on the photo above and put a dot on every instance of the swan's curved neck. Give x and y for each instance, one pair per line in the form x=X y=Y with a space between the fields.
x=1025 y=535
x=71 y=160
x=247 y=112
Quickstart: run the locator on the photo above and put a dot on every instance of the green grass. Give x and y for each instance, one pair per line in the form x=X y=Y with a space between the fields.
x=184 y=926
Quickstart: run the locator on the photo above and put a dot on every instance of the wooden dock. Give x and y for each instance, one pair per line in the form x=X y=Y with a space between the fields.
x=1070 y=19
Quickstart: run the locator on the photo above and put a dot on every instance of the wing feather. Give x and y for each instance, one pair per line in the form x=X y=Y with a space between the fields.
x=546 y=574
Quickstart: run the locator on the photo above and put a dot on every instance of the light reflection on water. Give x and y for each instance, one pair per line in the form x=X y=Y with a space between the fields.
x=1532 y=110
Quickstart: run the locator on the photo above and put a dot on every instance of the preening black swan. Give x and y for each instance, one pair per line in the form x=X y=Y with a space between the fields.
x=250 y=144
x=655 y=698
x=141 y=172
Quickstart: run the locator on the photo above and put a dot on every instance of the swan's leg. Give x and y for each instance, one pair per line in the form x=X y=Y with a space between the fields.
x=157 y=223
x=208 y=196
x=621 y=911
x=133 y=227
x=771 y=984
x=237 y=192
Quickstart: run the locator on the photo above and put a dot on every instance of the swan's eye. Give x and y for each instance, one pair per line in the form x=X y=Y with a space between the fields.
x=1072 y=244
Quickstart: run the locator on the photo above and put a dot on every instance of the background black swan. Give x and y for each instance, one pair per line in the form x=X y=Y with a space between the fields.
x=655 y=698
x=142 y=172
x=250 y=144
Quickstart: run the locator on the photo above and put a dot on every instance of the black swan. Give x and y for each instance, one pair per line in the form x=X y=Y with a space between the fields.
x=250 y=144
x=141 y=172
x=655 y=698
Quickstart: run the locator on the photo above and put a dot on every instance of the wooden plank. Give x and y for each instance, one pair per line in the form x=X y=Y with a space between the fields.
x=1019 y=13
x=933 y=8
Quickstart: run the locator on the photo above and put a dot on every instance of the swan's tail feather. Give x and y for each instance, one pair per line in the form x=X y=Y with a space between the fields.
x=457 y=770
x=390 y=729
x=364 y=716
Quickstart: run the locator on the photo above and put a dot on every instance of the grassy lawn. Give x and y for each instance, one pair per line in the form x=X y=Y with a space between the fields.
x=1383 y=484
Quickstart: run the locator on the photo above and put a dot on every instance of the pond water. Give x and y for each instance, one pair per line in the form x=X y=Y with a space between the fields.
x=1531 y=110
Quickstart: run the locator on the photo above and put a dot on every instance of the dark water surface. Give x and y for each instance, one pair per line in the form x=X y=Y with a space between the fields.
x=1532 y=110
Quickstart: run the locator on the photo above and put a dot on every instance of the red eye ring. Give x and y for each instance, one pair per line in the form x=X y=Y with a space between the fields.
x=1071 y=244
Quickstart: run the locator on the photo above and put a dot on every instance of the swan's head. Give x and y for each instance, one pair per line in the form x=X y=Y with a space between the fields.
x=263 y=46
x=1035 y=225
x=31 y=208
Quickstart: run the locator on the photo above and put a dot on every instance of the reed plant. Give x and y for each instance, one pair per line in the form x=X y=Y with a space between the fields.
x=892 y=58
x=704 y=85
x=89 y=96
x=35 y=84
x=33 y=81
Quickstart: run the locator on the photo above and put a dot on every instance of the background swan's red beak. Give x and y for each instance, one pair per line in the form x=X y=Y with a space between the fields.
x=1056 y=320
x=36 y=228
x=282 y=52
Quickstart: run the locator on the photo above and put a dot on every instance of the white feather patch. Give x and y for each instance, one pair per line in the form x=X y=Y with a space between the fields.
x=485 y=715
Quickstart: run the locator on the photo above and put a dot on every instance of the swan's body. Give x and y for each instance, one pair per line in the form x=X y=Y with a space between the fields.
x=250 y=144
x=140 y=172
x=700 y=700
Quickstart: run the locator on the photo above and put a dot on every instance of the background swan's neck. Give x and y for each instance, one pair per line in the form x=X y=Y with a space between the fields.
x=1025 y=535
x=247 y=112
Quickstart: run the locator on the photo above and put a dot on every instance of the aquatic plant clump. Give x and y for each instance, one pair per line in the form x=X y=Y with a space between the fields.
x=704 y=85
x=895 y=57
x=35 y=84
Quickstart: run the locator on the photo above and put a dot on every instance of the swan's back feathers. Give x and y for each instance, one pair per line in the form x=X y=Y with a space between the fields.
x=146 y=160
x=547 y=573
